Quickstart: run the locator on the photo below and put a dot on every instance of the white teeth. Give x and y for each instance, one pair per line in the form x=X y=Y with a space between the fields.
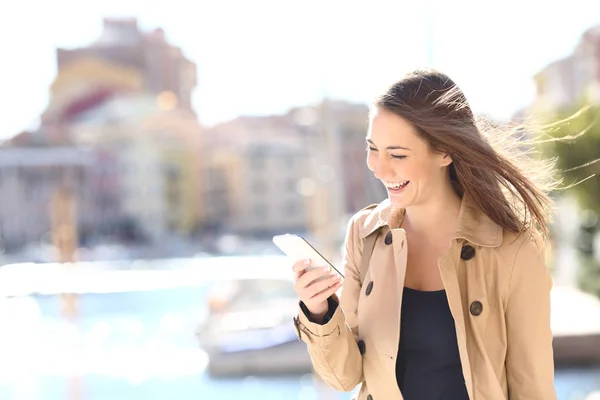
x=395 y=185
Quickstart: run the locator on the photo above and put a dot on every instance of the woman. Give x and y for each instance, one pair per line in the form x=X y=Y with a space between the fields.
x=455 y=303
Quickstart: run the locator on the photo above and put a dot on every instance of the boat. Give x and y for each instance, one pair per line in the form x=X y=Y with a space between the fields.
x=249 y=329
x=575 y=327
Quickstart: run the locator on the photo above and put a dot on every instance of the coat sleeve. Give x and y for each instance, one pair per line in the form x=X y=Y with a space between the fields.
x=333 y=346
x=529 y=362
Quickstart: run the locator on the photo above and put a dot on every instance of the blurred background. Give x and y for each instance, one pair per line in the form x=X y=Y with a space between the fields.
x=150 y=149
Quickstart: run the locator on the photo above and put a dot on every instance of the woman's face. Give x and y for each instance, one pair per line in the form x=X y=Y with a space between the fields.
x=411 y=172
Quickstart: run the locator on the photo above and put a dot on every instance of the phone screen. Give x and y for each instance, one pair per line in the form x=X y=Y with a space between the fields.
x=297 y=248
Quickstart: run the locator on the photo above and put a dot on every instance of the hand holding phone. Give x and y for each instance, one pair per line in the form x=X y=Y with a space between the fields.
x=315 y=278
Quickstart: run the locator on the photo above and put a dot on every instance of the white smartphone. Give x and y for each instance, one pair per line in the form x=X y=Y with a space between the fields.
x=298 y=248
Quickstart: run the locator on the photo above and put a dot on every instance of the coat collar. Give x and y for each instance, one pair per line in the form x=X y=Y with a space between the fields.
x=474 y=226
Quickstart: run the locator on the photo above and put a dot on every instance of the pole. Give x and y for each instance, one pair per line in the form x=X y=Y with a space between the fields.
x=326 y=206
x=428 y=10
x=64 y=235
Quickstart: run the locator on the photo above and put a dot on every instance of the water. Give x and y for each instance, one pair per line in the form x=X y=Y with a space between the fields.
x=140 y=345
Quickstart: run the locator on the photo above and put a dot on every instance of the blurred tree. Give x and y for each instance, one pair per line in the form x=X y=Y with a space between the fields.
x=577 y=152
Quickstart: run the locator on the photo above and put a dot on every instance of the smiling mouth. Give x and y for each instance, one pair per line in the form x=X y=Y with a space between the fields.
x=396 y=185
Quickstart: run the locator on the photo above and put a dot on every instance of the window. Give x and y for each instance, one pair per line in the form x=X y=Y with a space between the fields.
x=173 y=173
x=291 y=185
x=260 y=211
x=288 y=161
x=291 y=207
x=256 y=158
x=259 y=187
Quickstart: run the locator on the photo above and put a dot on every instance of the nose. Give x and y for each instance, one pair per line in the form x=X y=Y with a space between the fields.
x=381 y=169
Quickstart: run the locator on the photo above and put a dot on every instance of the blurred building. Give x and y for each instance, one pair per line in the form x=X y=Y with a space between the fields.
x=162 y=66
x=346 y=123
x=254 y=166
x=270 y=201
x=127 y=96
x=179 y=137
x=159 y=155
x=303 y=171
x=30 y=177
x=335 y=140
x=571 y=81
x=223 y=179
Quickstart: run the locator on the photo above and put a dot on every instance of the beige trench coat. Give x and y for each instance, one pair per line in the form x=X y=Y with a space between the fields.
x=498 y=289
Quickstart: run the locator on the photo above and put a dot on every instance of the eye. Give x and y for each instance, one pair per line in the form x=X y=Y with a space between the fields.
x=369 y=148
x=397 y=157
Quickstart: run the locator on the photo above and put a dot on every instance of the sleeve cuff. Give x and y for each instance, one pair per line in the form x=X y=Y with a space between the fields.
x=322 y=334
x=332 y=307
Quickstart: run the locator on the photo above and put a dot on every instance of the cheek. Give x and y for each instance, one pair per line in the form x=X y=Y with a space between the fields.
x=412 y=170
x=422 y=171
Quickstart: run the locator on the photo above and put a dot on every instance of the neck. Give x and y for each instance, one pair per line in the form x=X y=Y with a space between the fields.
x=436 y=217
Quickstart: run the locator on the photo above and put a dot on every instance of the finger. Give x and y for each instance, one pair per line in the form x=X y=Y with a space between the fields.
x=299 y=267
x=318 y=287
x=325 y=294
x=310 y=276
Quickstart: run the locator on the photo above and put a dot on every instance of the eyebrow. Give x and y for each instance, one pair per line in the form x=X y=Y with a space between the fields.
x=390 y=147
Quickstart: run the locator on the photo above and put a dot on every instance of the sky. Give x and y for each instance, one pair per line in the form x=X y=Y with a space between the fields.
x=265 y=56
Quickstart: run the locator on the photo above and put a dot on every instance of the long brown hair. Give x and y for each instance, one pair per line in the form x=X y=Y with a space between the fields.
x=490 y=162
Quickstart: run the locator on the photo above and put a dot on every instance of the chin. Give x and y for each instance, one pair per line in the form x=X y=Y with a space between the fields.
x=398 y=203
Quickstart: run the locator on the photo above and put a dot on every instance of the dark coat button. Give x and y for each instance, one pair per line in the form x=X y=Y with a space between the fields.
x=388 y=238
x=361 y=347
x=467 y=252
x=476 y=308
x=369 y=288
x=369 y=397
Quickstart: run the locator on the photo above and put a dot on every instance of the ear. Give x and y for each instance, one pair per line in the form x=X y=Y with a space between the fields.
x=446 y=160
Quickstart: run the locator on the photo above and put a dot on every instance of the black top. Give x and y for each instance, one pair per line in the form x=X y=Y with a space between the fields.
x=428 y=365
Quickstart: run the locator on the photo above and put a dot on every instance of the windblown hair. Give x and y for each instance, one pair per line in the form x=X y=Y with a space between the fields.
x=491 y=163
